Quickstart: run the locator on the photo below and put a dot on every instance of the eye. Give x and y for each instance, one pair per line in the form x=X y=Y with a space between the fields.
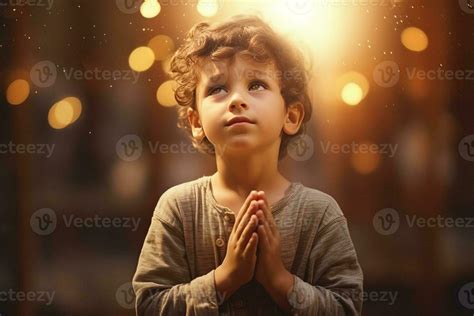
x=256 y=84
x=215 y=90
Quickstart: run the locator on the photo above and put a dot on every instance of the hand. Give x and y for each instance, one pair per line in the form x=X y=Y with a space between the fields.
x=239 y=263
x=269 y=264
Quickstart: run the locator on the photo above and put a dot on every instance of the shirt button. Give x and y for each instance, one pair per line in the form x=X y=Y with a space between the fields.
x=228 y=218
x=219 y=242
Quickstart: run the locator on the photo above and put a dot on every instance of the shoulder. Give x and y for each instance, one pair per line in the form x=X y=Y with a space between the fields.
x=174 y=200
x=318 y=205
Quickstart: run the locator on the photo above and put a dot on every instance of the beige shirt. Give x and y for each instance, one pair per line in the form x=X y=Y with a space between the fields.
x=187 y=241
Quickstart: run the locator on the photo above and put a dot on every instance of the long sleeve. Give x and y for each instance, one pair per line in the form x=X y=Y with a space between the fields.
x=162 y=281
x=336 y=286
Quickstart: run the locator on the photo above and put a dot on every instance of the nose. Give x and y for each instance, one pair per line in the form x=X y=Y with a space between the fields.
x=237 y=102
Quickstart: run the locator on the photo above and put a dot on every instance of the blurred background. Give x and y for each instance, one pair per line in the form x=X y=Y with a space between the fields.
x=89 y=142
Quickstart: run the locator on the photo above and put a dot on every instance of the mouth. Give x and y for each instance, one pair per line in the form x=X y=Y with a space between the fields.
x=239 y=120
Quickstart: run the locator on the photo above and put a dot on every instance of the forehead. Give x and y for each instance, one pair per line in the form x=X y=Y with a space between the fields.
x=238 y=67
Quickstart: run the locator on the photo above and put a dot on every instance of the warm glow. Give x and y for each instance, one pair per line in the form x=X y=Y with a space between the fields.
x=141 y=58
x=64 y=112
x=365 y=162
x=207 y=8
x=165 y=93
x=162 y=46
x=166 y=65
x=414 y=39
x=352 y=94
x=18 y=91
x=150 y=8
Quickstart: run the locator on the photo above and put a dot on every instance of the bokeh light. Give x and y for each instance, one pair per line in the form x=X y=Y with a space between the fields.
x=165 y=93
x=141 y=58
x=352 y=94
x=150 y=8
x=414 y=39
x=365 y=161
x=207 y=8
x=64 y=112
x=18 y=91
x=162 y=46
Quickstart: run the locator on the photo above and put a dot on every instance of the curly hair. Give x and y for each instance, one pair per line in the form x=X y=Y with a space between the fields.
x=244 y=34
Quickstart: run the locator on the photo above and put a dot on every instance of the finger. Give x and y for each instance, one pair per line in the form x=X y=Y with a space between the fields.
x=251 y=247
x=252 y=195
x=244 y=221
x=263 y=205
x=262 y=236
x=249 y=229
x=266 y=226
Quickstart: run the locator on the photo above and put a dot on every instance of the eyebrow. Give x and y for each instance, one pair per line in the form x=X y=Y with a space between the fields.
x=252 y=73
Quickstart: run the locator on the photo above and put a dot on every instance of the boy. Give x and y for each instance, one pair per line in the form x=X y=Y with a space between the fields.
x=245 y=241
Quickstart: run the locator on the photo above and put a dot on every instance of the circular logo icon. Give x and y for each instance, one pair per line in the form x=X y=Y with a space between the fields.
x=466 y=148
x=43 y=74
x=301 y=148
x=125 y=295
x=386 y=221
x=217 y=70
x=300 y=297
x=466 y=295
x=386 y=74
x=128 y=6
x=300 y=7
x=129 y=147
x=43 y=222
x=467 y=6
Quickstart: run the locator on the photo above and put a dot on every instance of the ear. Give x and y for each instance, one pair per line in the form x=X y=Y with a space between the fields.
x=195 y=122
x=293 y=118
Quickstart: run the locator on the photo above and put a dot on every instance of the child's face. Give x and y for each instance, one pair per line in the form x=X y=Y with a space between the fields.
x=244 y=88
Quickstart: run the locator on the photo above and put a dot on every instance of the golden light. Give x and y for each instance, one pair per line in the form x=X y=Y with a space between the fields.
x=18 y=91
x=352 y=94
x=162 y=46
x=166 y=65
x=352 y=87
x=414 y=39
x=150 y=8
x=165 y=93
x=141 y=58
x=207 y=8
x=365 y=161
x=64 y=112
